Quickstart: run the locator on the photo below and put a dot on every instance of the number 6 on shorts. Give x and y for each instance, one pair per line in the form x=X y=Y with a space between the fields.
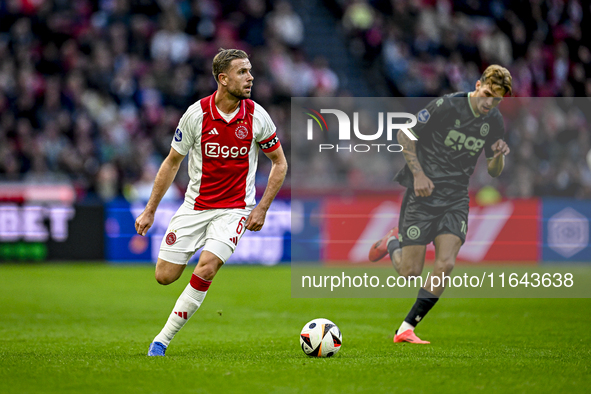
x=240 y=225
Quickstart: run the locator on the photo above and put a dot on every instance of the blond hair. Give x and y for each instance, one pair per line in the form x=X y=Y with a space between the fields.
x=221 y=61
x=498 y=77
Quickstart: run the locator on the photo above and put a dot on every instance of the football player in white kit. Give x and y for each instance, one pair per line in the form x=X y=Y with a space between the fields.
x=222 y=135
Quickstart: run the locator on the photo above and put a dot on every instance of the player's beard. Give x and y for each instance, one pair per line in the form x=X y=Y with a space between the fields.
x=239 y=93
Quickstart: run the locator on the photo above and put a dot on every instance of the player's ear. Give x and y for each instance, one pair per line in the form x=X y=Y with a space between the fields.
x=478 y=84
x=223 y=78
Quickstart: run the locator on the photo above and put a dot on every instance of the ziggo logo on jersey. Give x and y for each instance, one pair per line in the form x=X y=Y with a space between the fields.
x=213 y=149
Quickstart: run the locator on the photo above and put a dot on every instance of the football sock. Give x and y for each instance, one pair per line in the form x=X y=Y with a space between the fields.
x=405 y=326
x=425 y=301
x=392 y=244
x=187 y=304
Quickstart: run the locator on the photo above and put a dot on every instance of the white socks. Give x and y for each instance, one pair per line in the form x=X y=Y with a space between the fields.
x=187 y=304
x=405 y=326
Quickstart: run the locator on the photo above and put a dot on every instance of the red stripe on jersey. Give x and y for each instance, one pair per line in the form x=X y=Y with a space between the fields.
x=270 y=144
x=225 y=157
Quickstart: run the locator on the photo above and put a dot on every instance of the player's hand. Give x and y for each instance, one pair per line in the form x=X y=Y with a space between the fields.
x=144 y=222
x=256 y=219
x=423 y=185
x=500 y=147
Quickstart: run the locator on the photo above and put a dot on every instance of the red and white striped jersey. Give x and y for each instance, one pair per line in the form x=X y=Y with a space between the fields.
x=223 y=155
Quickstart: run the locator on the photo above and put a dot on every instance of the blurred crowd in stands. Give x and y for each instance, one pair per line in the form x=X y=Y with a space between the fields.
x=91 y=91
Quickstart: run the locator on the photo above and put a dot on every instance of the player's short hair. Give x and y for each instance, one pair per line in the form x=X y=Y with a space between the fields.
x=221 y=61
x=498 y=76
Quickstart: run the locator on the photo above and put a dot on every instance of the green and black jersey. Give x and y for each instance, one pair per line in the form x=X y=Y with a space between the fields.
x=450 y=138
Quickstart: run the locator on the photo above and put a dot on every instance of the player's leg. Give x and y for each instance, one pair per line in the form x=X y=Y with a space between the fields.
x=215 y=253
x=447 y=247
x=210 y=261
x=194 y=293
x=409 y=260
x=451 y=233
x=418 y=222
x=185 y=232
x=186 y=228
x=450 y=230
x=167 y=272
x=406 y=261
x=406 y=244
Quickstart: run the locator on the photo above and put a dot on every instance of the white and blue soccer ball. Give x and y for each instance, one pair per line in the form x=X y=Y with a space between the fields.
x=321 y=338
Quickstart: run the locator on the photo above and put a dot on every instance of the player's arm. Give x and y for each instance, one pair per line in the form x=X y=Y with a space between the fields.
x=497 y=162
x=256 y=219
x=166 y=173
x=423 y=185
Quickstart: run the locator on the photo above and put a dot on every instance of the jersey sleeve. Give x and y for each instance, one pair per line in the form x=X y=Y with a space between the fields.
x=188 y=128
x=497 y=132
x=265 y=130
x=432 y=116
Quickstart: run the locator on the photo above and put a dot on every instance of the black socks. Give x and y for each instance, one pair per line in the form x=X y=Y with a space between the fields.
x=425 y=301
x=392 y=246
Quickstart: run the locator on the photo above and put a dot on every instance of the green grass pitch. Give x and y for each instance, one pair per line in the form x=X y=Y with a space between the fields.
x=86 y=329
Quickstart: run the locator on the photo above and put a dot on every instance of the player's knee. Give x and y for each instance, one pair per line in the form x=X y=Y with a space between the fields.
x=166 y=276
x=208 y=272
x=163 y=278
x=208 y=269
x=445 y=264
x=410 y=271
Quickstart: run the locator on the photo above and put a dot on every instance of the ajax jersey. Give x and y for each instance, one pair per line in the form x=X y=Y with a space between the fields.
x=223 y=154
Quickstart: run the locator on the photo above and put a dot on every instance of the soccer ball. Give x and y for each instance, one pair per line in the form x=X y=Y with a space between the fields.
x=320 y=338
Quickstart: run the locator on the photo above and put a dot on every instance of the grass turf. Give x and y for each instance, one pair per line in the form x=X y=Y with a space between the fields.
x=86 y=328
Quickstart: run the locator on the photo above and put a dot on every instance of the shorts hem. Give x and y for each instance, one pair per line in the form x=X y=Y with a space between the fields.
x=221 y=253
x=175 y=257
x=419 y=243
x=222 y=258
x=230 y=244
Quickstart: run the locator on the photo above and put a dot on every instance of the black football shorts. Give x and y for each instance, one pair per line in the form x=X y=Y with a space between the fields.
x=422 y=219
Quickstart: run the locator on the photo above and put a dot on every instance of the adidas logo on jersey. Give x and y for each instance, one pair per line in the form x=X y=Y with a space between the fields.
x=214 y=132
x=234 y=240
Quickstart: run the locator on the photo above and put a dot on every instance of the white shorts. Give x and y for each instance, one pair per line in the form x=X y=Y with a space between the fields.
x=216 y=230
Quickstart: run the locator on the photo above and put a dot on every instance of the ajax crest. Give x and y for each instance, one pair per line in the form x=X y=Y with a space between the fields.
x=170 y=238
x=241 y=132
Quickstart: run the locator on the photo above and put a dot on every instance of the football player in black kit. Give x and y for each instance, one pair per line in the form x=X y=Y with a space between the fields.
x=451 y=133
